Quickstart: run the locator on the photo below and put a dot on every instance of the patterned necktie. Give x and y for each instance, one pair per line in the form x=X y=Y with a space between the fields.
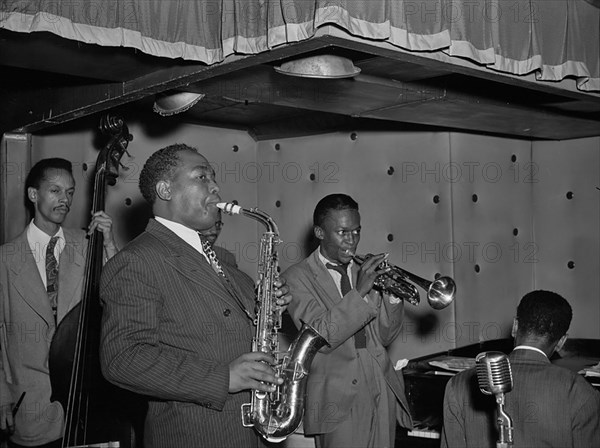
x=214 y=262
x=52 y=276
x=360 y=337
x=212 y=257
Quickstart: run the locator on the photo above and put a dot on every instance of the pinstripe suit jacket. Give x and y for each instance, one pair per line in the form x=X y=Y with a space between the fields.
x=332 y=386
x=170 y=328
x=550 y=406
x=26 y=330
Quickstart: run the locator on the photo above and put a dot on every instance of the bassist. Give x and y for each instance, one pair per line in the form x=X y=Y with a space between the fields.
x=37 y=291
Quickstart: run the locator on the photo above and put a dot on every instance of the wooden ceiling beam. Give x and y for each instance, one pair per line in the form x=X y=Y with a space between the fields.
x=46 y=99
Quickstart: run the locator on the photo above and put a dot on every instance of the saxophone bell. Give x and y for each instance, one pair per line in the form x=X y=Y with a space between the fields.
x=441 y=292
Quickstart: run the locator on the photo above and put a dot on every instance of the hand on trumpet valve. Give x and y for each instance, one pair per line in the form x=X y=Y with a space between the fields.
x=370 y=268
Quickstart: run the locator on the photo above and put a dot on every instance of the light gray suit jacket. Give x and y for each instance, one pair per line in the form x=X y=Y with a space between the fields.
x=332 y=387
x=26 y=330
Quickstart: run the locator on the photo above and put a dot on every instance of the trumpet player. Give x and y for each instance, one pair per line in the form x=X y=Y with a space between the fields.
x=354 y=395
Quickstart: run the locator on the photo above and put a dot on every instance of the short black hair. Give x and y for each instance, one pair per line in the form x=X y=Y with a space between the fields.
x=545 y=314
x=39 y=171
x=160 y=166
x=336 y=201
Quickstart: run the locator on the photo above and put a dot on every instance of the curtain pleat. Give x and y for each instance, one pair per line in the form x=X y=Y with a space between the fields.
x=555 y=39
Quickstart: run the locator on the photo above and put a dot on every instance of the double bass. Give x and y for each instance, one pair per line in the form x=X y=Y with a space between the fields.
x=96 y=413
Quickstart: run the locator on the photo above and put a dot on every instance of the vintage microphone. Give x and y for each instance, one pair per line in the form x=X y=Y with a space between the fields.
x=495 y=378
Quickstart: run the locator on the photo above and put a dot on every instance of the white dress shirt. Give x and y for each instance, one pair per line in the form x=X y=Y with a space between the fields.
x=188 y=235
x=38 y=243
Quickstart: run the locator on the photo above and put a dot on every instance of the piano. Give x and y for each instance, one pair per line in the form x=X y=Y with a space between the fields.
x=426 y=382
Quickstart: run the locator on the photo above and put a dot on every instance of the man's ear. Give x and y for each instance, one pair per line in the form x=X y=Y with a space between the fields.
x=163 y=190
x=319 y=233
x=32 y=194
x=561 y=342
x=515 y=327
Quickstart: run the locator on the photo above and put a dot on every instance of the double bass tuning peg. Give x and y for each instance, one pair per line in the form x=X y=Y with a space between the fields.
x=117 y=160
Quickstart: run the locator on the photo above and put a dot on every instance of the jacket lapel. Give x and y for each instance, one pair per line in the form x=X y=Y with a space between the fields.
x=193 y=265
x=323 y=279
x=28 y=282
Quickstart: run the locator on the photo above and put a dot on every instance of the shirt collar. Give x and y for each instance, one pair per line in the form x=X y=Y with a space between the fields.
x=39 y=238
x=325 y=261
x=529 y=347
x=188 y=235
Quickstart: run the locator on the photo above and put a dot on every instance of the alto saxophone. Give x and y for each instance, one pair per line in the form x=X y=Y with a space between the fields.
x=276 y=415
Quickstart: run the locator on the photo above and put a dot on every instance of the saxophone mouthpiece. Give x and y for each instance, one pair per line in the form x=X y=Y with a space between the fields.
x=229 y=208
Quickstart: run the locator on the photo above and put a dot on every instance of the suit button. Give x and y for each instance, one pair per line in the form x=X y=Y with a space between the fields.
x=226 y=312
x=354 y=381
x=209 y=405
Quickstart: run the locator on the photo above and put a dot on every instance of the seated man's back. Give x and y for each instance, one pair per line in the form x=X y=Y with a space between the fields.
x=548 y=405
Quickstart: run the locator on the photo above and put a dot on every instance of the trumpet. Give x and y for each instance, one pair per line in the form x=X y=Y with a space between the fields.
x=401 y=283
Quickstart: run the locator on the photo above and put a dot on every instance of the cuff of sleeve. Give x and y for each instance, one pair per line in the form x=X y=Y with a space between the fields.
x=216 y=398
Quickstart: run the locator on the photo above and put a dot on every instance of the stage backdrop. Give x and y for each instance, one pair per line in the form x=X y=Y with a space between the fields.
x=501 y=216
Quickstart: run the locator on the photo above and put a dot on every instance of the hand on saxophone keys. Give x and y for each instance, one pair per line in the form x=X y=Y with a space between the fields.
x=282 y=294
x=253 y=371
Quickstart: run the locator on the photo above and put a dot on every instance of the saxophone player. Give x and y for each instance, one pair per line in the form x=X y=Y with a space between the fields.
x=354 y=396
x=177 y=323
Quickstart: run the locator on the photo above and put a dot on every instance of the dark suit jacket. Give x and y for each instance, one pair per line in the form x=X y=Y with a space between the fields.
x=26 y=330
x=550 y=406
x=170 y=329
x=331 y=384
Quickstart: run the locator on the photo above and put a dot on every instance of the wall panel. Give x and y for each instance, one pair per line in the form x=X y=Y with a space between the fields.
x=492 y=233
x=566 y=222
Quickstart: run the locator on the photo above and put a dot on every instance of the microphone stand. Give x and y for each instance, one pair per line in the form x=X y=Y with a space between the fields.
x=505 y=425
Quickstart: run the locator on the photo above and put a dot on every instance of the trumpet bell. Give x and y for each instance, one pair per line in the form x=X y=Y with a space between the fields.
x=400 y=283
x=441 y=293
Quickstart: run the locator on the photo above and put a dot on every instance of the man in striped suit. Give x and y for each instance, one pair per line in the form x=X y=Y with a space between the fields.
x=177 y=324
x=550 y=406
